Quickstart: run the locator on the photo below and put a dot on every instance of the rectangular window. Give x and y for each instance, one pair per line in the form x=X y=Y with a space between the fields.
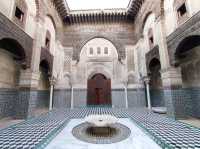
x=182 y=11
x=19 y=14
x=106 y=51
x=91 y=51
x=98 y=50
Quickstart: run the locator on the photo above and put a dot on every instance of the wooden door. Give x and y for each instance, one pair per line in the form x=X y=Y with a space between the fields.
x=99 y=91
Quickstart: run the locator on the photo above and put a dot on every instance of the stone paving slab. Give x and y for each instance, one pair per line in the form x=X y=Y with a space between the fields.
x=36 y=132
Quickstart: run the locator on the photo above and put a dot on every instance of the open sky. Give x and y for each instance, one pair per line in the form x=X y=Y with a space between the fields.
x=96 y=4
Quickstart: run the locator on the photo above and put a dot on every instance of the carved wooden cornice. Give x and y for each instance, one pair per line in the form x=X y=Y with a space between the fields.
x=134 y=7
x=88 y=16
x=96 y=16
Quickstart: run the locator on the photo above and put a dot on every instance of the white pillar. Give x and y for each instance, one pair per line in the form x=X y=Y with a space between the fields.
x=51 y=98
x=125 y=84
x=72 y=97
x=147 y=80
x=52 y=82
x=126 y=96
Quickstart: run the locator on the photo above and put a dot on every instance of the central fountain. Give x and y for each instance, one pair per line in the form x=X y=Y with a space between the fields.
x=101 y=129
x=101 y=125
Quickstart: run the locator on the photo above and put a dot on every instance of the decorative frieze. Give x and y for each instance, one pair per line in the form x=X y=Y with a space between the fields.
x=72 y=17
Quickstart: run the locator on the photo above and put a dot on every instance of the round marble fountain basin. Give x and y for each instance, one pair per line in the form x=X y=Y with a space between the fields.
x=101 y=120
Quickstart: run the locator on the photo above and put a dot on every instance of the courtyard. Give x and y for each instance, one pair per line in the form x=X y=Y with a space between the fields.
x=42 y=132
x=99 y=74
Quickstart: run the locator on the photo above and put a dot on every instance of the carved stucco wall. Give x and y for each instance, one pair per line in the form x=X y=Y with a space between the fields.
x=88 y=65
x=120 y=34
x=149 y=6
x=10 y=70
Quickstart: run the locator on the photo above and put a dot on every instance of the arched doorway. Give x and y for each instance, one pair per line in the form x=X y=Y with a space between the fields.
x=157 y=99
x=42 y=105
x=99 y=91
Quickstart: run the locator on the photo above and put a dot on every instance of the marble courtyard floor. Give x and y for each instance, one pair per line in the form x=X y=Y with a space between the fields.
x=41 y=132
x=137 y=139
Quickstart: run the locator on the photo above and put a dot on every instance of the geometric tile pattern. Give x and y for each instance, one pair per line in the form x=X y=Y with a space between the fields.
x=34 y=133
x=28 y=134
x=167 y=131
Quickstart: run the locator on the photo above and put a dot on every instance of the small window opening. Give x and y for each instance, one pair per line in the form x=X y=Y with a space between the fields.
x=151 y=42
x=47 y=43
x=91 y=51
x=106 y=50
x=98 y=50
x=182 y=10
x=19 y=14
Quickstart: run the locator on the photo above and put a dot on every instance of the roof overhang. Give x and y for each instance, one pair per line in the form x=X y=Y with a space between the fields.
x=97 y=15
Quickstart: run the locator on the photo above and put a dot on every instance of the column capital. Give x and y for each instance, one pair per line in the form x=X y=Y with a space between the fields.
x=146 y=79
x=52 y=80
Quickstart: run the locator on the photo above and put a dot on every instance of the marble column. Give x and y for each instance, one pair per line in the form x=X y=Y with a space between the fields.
x=52 y=83
x=125 y=84
x=147 y=81
x=72 y=97
x=126 y=94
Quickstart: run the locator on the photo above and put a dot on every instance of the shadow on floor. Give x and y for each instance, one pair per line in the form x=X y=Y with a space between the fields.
x=192 y=121
x=8 y=121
